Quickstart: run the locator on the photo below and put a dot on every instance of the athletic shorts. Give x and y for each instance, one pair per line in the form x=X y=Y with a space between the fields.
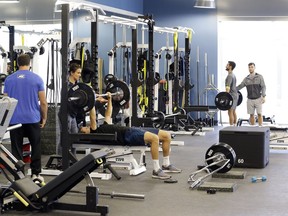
x=235 y=100
x=134 y=136
x=253 y=104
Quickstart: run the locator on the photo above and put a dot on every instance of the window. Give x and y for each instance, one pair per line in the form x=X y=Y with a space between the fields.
x=266 y=44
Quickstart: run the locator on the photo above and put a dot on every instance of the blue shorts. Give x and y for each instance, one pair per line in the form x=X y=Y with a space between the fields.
x=135 y=136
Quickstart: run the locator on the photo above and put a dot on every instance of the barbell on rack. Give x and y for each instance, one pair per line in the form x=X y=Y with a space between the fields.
x=224 y=100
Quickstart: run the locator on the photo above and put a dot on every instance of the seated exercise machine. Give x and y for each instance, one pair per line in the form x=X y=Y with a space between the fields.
x=24 y=193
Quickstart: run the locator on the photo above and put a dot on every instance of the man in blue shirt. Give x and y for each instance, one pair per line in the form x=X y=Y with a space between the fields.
x=28 y=88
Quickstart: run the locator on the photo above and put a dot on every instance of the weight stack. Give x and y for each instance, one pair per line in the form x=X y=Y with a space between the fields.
x=51 y=132
x=251 y=145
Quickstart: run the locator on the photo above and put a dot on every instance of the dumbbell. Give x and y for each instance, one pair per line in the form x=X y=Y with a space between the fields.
x=255 y=179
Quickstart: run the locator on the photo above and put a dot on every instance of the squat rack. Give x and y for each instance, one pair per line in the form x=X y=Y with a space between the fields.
x=67 y=6
x=11 y=43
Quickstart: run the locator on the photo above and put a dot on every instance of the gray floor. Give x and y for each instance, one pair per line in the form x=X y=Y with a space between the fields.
x=261 y=198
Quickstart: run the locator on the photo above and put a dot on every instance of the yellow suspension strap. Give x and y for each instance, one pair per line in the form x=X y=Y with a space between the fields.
x=176 y=70
x=82 y=54
x=143 y=99
x=187 y=86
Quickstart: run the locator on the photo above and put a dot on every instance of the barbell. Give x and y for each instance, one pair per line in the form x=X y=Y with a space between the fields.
x=97 y=95
x=158 y=118
x=82 y=96
x=220 y=158
x=224 y=100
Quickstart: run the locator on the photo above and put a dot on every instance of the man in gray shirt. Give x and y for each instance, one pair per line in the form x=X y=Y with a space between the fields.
x=256 y=92
x=230 y=87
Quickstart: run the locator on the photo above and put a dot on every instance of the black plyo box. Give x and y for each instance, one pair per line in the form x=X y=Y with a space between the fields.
x=251 y=145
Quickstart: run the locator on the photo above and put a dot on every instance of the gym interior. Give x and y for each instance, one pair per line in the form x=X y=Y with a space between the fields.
x=166 y=64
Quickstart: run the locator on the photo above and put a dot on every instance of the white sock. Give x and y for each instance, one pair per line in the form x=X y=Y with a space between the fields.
x=166 y=161
x=156 y=165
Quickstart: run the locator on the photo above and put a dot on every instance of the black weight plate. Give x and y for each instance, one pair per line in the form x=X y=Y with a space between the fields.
x=240 y=98
x=121 y=86
x=109 y=78
x=2 y=77
x=223 y=101
x=86 y=74
x=86 y=97
x=158 y=119
x=115 y=110
x=157 y=78
x=221 y=149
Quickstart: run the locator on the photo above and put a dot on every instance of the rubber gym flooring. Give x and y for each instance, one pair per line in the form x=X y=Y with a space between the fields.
x=260 y=198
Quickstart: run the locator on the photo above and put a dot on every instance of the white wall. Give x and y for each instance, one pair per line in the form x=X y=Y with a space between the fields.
x=28 y=36
x=266 y=44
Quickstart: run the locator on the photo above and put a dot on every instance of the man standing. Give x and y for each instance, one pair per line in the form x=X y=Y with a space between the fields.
x=230 y=86
x=28 y=88
x=256 y=92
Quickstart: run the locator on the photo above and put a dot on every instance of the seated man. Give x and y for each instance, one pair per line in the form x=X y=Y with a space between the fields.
x=130 y=136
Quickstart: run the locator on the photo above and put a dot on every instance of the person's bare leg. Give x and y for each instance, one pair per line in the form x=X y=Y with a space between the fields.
x=231 y=116
x=165 y=138
x=153 y=140
x=235 y=117
x=260 y=119
x=252 y=119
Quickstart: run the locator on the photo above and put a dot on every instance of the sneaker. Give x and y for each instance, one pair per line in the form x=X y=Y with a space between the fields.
x=171 y=169
x=160 y=174
x=38 y=178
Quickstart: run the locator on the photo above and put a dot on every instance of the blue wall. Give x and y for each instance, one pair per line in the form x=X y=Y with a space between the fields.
x=171 y=13
x=203 y=22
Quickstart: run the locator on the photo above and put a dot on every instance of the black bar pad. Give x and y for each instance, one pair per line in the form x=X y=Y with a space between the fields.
x=4 y=117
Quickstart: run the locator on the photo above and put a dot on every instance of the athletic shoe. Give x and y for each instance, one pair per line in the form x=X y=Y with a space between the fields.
x=171 y=169
x=160 y=174
x=37 y=178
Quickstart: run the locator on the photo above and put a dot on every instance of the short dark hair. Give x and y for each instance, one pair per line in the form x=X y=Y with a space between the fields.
x=232 y=64
x=251 y=63
x=73 y=67
x=23 y=60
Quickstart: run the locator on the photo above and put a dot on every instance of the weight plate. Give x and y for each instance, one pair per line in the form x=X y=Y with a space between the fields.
x=115 y=110
x=224 y=150
x=109 y=78
x=86 y=74
x=119 y=86
x=86 y=97
x=158 y=119
x=2 y=77
x=223 y=101
x=240 y=98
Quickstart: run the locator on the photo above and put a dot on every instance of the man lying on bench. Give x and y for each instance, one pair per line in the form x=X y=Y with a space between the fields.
x=131 y=136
